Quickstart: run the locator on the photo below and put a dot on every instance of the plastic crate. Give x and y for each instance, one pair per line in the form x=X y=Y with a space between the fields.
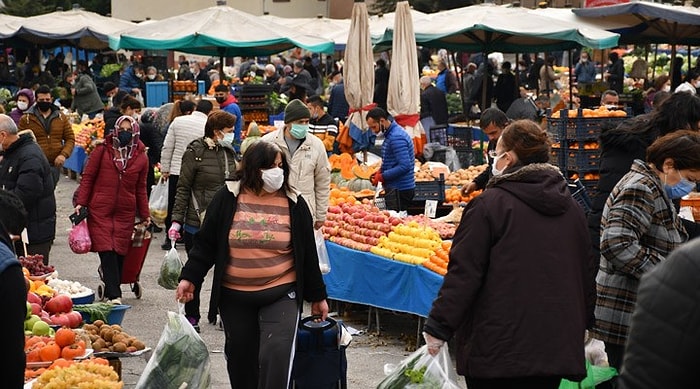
x=459 y=137
x=579 y=128
x=583 y=160
x=580 y=194
x=591 y=186
x=430 y=190
x=438 y=134
x=469 y=157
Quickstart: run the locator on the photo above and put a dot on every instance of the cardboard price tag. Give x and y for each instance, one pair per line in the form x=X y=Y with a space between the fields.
x=430 y=208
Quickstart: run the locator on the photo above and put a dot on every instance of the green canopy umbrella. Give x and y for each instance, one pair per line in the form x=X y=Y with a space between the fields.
x=218 y=30
x=487 y=28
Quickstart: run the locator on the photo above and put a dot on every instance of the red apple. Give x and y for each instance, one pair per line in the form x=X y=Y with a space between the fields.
x=36 y=309
x=58 y=304
x=33 y=298
x=61 y=319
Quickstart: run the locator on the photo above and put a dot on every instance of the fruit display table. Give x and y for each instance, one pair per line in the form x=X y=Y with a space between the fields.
x=365 y=278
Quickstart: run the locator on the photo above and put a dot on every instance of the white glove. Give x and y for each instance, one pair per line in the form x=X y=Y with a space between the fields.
x=174 y=231
x=434 y=344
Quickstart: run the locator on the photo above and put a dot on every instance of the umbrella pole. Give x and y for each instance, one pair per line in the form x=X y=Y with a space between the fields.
x=221 y=65
x=483 y=80
x=673 y=62
x=690 y=60
x=653 y=70
x=571 y=81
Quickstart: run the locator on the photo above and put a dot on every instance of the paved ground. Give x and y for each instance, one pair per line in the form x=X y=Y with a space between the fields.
x=366 y=355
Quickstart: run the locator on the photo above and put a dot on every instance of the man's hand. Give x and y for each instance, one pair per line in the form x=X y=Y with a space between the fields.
x=185 y=291
x=135 y=90
x=468 y=188
x=434 y=344
x=376 y=178
x=165 y=175
x=59 y=161
x=318 y=225
x=320 y=308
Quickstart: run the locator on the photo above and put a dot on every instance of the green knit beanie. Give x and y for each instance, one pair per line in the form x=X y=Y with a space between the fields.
x=296 y=110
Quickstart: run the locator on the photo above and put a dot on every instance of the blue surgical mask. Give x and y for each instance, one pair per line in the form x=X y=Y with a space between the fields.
x=228 y=138
x=681 y=189
x=299 y=131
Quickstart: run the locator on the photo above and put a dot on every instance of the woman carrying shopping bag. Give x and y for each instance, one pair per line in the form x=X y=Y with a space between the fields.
x=256 y=235
x=113 y=187
x=206 y=164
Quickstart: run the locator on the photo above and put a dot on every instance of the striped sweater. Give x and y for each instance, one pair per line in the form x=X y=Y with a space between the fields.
x=260 y=253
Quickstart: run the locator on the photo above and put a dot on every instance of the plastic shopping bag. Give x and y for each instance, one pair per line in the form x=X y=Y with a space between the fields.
x=421 y=370
x=181 y=358
x=79 y=238
x=170 y=270
x=323 y=261
x=594 y=376
x=158 y=203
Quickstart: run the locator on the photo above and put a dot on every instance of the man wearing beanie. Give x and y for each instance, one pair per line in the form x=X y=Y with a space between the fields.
x=310 y=172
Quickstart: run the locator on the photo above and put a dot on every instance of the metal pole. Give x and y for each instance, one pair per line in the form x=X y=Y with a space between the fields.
x=653 y=69
x=571 y=81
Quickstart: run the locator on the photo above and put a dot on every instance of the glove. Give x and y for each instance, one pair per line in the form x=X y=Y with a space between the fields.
x=174 y=231
x=376 y=178
x=434 y=344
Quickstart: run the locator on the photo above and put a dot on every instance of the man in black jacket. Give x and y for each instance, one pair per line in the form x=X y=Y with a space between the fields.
x=433 y=105
x=492 y=123
x=13 y=291
x=25 y=172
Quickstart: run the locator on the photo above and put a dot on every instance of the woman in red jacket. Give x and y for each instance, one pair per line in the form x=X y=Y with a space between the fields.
x=113 y=188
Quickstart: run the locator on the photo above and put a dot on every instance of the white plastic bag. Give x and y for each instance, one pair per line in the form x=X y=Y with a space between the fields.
x=170 y=270
x=421 y=370
x=323 y=262
x=158 y=203
x=180 y=359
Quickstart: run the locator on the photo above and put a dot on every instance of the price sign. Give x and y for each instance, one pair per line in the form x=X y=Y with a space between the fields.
x=430 y=208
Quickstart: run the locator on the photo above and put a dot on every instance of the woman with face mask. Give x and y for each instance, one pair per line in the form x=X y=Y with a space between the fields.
x=256 y=235
x=640 y=228
x=207 y=162
x=113 y=188
x=519 y=289
x=25 y=99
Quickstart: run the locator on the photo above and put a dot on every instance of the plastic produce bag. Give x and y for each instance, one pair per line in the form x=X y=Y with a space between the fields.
x=594 y=376
x=181 y=357
x=79 y=238
x=323 y=261
x=170 y=270
x=421 y=370
x=158 y=203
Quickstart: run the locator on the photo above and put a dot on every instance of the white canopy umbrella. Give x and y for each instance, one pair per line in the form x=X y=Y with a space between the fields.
x=358 y=74
x=336 y=30
x=403 y=99
x=8 y=25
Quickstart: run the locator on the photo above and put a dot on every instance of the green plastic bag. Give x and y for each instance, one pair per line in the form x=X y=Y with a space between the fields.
x=594 y=376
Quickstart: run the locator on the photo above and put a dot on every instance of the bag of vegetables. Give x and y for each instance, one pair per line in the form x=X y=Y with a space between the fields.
x=170 y=269
x=181 y=357
x=422 y=370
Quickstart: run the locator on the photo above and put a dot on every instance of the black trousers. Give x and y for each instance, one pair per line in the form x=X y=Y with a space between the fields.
x=172 y=188
x=260 y=338
x=192 y=307
x=35 y=249
x=512 y=383
x=112 y=265
x=399 y=200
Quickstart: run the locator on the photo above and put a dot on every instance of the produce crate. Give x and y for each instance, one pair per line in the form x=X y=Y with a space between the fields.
x=580 y=160
x=591 y=186
x=459 y=137
x=469 y=157
x=692 y=201
x=579 y=128
x=438 y=134
x=431 y=190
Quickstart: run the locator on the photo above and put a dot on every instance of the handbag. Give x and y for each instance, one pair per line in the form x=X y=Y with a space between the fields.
x=200 y=213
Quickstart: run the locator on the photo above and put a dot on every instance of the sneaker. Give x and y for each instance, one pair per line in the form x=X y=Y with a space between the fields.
x=195 y=323
x=115 y=301
x=166 y=244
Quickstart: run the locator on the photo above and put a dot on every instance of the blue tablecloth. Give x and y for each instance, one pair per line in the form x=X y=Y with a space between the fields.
x=76 y=161
x=366 y=278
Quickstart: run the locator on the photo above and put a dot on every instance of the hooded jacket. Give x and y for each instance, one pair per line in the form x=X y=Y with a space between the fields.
x=203 y=173
x=13 y=292
x=114 y=199
x=16 y=113
x=211 y=247
x=519 y=289
x=86 y=99
x=25 y=172
x=57 y=139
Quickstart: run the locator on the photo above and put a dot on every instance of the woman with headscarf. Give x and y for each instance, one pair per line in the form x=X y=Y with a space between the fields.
x=113 y=188
x=25 y=99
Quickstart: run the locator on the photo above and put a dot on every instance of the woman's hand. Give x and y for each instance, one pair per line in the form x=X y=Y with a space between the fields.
x=434 y=344
x=185 y=292
x=77 y=209
x=318 y=308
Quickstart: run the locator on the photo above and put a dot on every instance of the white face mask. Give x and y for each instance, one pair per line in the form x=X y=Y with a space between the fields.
x=494 y=170
x=151 y=76
x=666 y=88
x=22 y=105
x=273 y=179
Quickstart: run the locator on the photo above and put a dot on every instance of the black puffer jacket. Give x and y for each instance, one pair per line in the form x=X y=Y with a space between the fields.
x=25 y=171
x=663 y=346
x=202 y=174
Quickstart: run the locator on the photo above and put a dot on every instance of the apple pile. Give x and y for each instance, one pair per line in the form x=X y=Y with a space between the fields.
x=357 y=226
x=35 y=265
x=44 y=312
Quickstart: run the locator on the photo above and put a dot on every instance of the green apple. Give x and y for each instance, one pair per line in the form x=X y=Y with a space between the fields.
x=28 y=333
x=29 y=311
x=41 y=328
x=29 y=323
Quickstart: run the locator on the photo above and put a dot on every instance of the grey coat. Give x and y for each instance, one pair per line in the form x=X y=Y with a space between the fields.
x=86 y=99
